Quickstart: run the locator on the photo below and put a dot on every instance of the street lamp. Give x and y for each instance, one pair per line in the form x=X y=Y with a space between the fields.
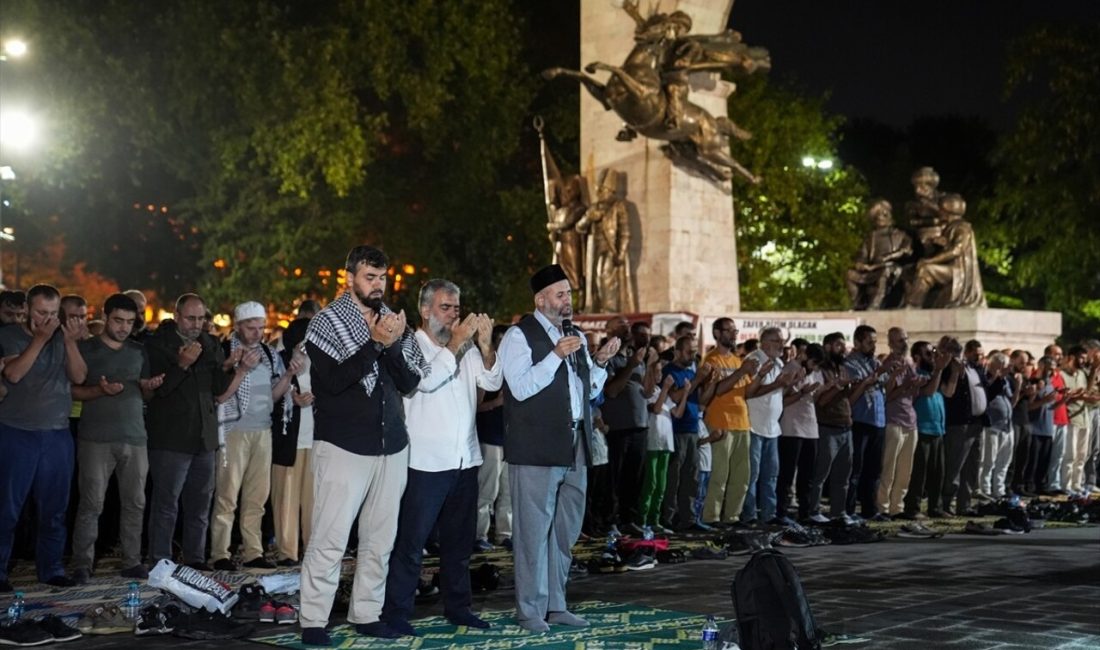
x=17 y=129
x=6 y=174
x=15 y=48
x=824 y=164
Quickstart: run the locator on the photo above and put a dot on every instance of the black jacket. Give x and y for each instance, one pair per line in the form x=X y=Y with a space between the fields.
x=182 y=415
x=343 y=413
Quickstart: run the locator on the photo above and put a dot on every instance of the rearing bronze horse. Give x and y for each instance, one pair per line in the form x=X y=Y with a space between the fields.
x=648 y=91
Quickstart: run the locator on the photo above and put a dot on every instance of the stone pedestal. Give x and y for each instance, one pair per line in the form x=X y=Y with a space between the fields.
x=995 y=328
x=683 y=250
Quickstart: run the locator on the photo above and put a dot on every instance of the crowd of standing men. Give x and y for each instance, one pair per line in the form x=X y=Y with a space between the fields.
x=459 y=427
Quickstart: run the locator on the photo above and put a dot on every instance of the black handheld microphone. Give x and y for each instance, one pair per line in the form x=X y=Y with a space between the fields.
x=569 y=329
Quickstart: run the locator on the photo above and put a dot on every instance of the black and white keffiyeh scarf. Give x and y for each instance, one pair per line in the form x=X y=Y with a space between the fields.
x=339 y=331
x=235 y=407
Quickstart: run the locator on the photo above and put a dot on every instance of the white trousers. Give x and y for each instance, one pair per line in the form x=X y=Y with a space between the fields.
x=347 y=486
x=493 y=494
x=997 y=449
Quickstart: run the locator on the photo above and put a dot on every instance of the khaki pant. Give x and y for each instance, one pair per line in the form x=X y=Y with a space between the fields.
x=348 y=486
x=729 y=477
x=493 y=494
x=897 y=466
x=244 y=469
x=1073 y=461
x=97 y=461
x=292 y=503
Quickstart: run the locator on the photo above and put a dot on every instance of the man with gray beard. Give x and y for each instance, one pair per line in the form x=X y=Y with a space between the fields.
x=444 y=457
x=183 y=427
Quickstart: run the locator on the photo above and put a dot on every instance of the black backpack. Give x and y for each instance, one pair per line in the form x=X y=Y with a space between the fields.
x=772 y=610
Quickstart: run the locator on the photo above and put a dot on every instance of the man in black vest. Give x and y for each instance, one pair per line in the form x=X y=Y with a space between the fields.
x=549 y=380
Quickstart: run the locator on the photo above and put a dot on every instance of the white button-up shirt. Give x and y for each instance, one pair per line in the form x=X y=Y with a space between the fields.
x=764 y=411
x=440 y=414
x=526 y=379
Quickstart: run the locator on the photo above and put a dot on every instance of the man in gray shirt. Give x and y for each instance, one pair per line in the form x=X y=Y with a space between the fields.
x=626 y=412
x=112 y=438
x=36 y=448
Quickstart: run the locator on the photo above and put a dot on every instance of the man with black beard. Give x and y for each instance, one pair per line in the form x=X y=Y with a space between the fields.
x=549 y=380
x=363 y=359
x=834 y=426
x=444 y=457
x=112 y=437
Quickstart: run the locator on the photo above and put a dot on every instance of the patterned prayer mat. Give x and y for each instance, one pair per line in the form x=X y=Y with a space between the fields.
x=612 y=625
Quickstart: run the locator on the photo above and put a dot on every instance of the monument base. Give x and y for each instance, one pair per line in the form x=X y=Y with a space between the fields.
x=996 y=328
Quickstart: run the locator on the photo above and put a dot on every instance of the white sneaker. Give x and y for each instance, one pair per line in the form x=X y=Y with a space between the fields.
x=819 y=518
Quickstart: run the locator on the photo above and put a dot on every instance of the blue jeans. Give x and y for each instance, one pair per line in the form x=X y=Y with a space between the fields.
x=36 y=464
x=700 y=496
x=760 y=499
x=447 y=499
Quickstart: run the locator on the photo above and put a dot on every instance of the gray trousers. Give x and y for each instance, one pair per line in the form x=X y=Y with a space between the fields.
x=190 y=476
x=683 y=484
x=547 y=512
x=962 y=457
x=96 y=462
x=833 y=462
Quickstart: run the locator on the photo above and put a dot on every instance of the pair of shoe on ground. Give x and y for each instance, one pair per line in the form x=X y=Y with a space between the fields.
x=50 y=629
x=392 y=629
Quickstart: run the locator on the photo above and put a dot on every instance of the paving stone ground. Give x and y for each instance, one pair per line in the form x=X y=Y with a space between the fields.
x=1040 y=590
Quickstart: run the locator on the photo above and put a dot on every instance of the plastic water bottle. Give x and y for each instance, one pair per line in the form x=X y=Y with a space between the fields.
x=647 y=533
x=133 y=601
x=710 y=634
x=15 y=609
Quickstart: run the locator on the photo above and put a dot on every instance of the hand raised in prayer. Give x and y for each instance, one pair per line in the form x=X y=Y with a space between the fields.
x=110 y=388
x=609 y=349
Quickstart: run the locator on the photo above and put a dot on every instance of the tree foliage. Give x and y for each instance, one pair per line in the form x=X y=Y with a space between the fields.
x=282 y=134
x=799 y=228
x=1044 y=238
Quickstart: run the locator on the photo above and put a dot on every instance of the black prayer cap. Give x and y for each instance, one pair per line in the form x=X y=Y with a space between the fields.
x=547 y=276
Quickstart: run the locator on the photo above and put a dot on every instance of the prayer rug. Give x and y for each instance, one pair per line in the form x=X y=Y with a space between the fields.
x=612 y=625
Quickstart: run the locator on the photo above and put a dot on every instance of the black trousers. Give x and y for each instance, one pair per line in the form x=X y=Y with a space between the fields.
x=1017 y=477
x=927 y=474
x=962 y=457
x=1038 y=461
x=866 y=468
x=796 y=466
x=448 y=498
x=626 y=466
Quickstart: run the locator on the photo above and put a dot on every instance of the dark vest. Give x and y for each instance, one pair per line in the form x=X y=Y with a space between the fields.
x=539 y=430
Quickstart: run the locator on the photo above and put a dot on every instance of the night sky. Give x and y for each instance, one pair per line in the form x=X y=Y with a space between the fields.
x=892 y=61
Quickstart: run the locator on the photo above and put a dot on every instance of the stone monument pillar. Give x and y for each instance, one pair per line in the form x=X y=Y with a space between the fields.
x=684 y=253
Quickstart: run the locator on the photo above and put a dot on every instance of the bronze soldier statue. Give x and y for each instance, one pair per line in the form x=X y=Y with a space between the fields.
x=609 y=287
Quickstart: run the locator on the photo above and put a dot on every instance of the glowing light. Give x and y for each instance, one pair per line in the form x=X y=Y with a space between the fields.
x=409 y=269
x=220 y=264
x=17 y=129
x=15 y=48
x=808 y=161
